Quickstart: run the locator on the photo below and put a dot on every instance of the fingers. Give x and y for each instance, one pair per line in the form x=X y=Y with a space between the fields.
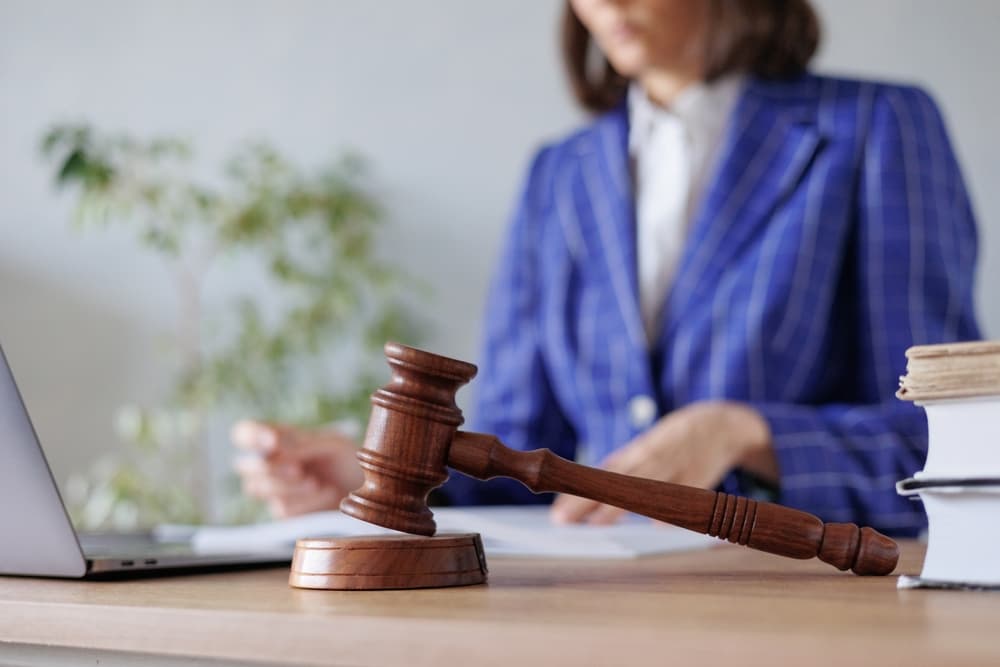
x=605 y=515
x=287 y=442
x=264 y=479
x=249 y=466
x=286 y=488
x=267 y=486
x=573 y=509
x=253 y=436
x=295 y=470
x=629 y=460
x=326 y=498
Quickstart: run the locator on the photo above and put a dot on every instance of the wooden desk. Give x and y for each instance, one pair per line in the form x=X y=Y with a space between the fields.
x=726 y=604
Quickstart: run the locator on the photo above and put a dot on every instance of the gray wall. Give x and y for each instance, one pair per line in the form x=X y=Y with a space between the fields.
x=446 y=97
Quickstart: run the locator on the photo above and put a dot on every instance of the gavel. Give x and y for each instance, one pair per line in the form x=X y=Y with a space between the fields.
x=413 y=438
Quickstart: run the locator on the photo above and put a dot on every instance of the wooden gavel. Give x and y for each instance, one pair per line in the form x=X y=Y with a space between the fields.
x=413 y=436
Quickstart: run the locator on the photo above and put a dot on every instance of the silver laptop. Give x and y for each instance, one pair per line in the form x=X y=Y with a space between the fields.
x=36 y=536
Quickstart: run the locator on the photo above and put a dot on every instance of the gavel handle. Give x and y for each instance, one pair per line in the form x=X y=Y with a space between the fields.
x=758 y=525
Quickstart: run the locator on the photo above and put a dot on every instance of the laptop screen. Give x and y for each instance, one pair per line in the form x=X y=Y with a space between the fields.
x=36 y=536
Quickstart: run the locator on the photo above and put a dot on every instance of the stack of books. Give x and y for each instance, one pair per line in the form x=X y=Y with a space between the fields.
x=958 y=385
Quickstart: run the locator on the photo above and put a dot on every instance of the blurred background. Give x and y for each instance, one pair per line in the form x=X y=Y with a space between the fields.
x=444 y=100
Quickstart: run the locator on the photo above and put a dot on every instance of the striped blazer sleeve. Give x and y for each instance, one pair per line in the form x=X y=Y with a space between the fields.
x=915 y=249
x=515 y=401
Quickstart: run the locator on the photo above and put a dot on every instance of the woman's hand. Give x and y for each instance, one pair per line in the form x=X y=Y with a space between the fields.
x=296 y=470
x=696 y=446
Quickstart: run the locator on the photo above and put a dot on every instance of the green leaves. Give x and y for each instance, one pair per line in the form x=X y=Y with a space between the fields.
x=80 y=161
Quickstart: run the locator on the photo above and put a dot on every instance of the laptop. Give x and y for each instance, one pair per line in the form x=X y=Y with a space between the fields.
x=37 y=537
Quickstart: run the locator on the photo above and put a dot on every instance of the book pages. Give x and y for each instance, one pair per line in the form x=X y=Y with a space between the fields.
x=951 y=370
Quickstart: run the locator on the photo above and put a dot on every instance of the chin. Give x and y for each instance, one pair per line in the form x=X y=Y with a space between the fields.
x=628 y=65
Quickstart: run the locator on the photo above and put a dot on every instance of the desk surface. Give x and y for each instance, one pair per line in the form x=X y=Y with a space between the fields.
x=694 y=607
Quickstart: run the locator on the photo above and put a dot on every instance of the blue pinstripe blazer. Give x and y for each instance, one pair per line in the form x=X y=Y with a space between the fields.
x=835 y=233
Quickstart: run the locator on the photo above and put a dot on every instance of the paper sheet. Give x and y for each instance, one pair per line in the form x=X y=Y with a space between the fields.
x=906 y=581
x=508 y=531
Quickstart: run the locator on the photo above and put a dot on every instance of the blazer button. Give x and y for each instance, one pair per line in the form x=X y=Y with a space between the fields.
x=642 y=411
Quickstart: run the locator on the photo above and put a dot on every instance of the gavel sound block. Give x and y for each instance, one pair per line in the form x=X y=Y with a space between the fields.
x=413 y=437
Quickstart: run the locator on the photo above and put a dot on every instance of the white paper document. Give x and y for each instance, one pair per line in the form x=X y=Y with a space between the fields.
x=506 y=531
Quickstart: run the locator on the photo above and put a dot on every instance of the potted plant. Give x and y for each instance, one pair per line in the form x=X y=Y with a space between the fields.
x=323 y=297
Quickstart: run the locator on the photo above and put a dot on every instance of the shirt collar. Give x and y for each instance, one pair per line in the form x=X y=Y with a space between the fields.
x=702 y=108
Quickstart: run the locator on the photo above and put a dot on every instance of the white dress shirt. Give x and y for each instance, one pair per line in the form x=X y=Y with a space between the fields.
x=672 y=151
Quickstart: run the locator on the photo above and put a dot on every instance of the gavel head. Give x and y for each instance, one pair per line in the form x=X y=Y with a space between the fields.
x=405 y=454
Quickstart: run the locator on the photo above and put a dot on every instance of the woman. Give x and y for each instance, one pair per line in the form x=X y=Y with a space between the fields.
x=715 y=281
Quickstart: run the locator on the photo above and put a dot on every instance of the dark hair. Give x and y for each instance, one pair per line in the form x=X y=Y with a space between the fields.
x=772 y=39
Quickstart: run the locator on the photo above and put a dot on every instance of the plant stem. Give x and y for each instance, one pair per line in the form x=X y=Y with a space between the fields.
x=189 y=338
